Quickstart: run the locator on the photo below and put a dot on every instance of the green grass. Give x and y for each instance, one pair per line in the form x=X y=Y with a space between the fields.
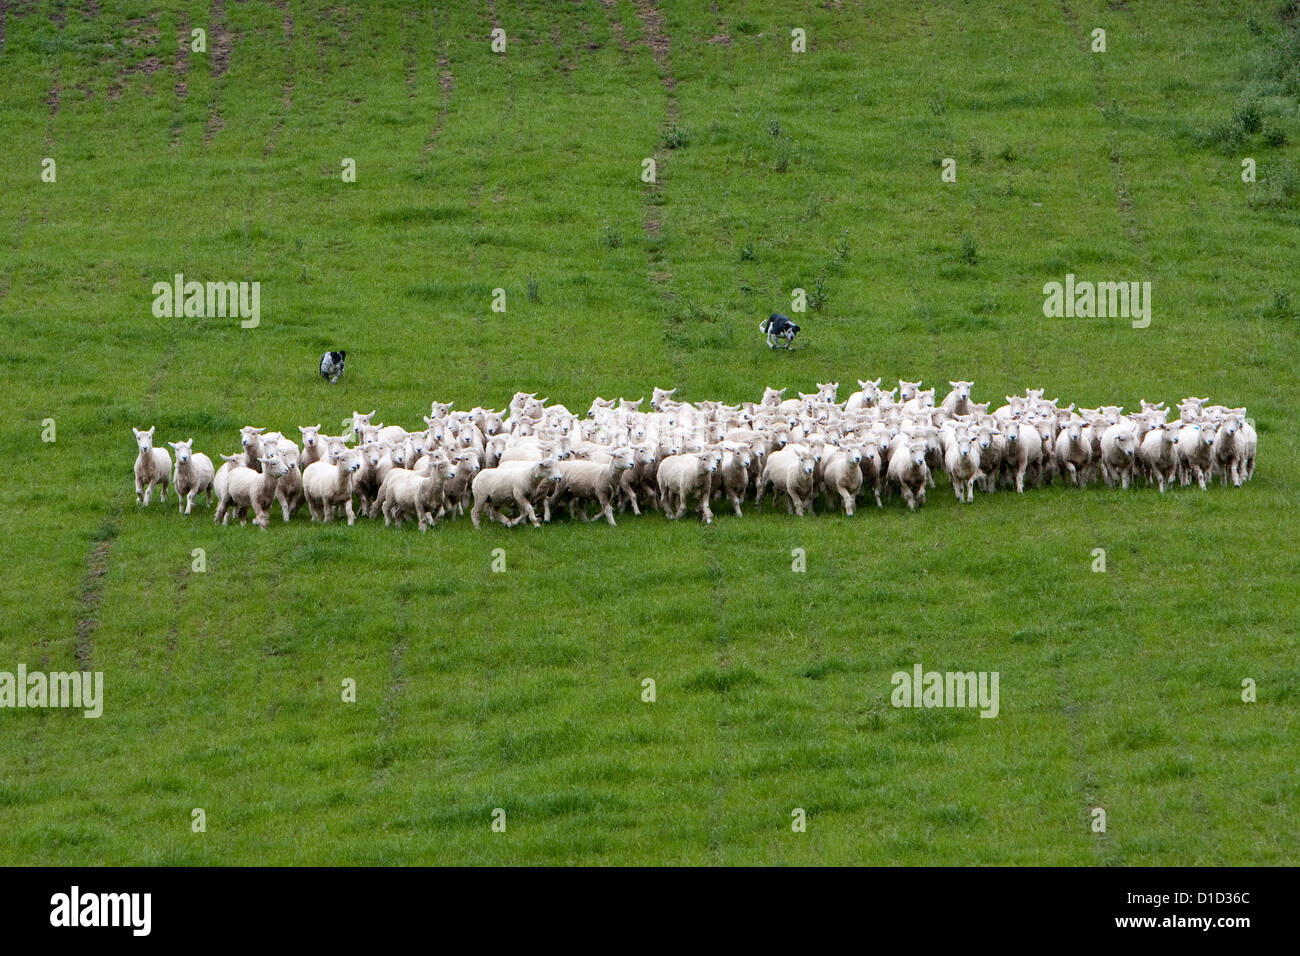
x=522 y=690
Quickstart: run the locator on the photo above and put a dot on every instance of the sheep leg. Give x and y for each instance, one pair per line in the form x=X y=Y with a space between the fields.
x=735 y=503
x=848 y=502
x=957 y=489
x=347 y=506
x=526 y=510
x=606 y=507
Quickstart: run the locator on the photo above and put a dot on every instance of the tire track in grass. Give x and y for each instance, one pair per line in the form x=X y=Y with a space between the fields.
x=4 y=13
x=1133 y=231
x=654 y=31
x=220 y=46
x=182 y=87
x=1103 y=847
x=286 y=92
x=656 y=38
x=90 y=595
x=408 y=53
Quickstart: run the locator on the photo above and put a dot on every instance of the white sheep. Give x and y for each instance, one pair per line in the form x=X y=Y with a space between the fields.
x=584 y=481
x=790 y=471
x=842 y=476
x=732 y=477
x=517 y=483
x=681 y=477
x=404 y=493
x=1118 y=451
x=908 y=470
x=153 y=466
x=312 y=442
x=245 y=488
x=193 y=475
x=1195 y=453
x=957 y=402
x=962 y=462
x=1074 y=452
x=327 y=483
x=251 y=440
x=1159 y=453
x=1229 y=447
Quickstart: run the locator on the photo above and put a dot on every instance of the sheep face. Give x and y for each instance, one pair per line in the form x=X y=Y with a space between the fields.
x=907 y=390
x=310 y=435
x=184 y=450
x=351 y=460
x=962 y=389
x=249 y=436
x=144 y=440
x=275 y=465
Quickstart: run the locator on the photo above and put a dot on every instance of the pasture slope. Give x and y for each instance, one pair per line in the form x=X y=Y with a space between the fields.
x=522 y=690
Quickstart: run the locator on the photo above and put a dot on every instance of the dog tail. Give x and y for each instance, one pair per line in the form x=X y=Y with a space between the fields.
x=762 y=326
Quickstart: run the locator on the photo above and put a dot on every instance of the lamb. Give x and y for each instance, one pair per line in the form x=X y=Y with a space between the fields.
x=957 y=401
x=681 y=476
x=152 y=467
x=1196 y=453
x=908 y=470
x=962 y=462
x=193 y=475
x=1024 y=448
x=842 y=476
x=360 y=421
x=790 y=471
x=1229 y=443
x=311 y=445
x=868 y=397
x=457 y=490
x=1074 y=452
x=581 y=481
x=326 y=484
x=250 y=438
x=228 y=464
x=871 y=468
x=368 y=479
x=1117 y=454
x=516 y=483
x=1159 y=453
x=732 y=476
x=640 y=478
x=245 y=488
x=404 y=492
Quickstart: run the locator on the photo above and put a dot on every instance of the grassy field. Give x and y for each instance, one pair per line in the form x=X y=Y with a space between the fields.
x=522 y=690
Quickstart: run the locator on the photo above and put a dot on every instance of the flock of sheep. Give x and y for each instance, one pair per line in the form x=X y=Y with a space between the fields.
x=532 y=455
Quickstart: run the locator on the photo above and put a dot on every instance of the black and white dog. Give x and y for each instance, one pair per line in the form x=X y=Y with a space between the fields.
x=331 y=365
x=778 y=326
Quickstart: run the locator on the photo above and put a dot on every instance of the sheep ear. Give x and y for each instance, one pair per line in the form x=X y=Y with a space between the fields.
x=172 y=443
